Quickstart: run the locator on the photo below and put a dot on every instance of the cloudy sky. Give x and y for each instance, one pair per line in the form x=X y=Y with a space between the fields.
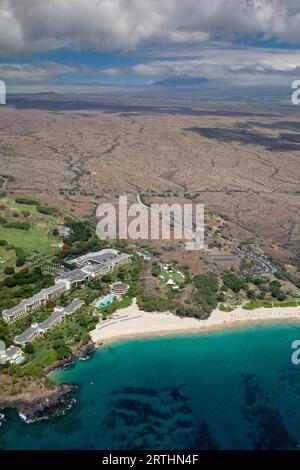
x=109 y=45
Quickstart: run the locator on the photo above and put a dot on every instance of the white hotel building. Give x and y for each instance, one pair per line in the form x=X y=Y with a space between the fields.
x=34 y=302
x=37 y=329
x=91 y=265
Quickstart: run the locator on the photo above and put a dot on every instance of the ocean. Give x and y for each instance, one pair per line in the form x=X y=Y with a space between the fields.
x=235 y=389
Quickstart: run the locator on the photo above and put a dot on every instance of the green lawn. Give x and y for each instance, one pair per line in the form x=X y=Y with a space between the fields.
x=177 y=278
x=36 y=240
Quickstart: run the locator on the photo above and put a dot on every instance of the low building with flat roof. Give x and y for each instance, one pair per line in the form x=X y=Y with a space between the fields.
x=14 y=355
x=95 y=257
x=95 y=270
x=222 y=259
x=73 y=278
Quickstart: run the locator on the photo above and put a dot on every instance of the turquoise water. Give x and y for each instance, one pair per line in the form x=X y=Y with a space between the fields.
x=19 y=360
x=229 y=390
x=105 y=302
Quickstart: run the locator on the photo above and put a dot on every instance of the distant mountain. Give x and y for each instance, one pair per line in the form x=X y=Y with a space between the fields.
x=181 y=81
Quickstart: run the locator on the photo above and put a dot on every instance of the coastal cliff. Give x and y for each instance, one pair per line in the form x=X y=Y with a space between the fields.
x=37 y=402
x=43 y=407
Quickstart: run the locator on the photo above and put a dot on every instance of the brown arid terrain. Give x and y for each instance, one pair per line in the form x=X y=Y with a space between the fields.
x=77 y=155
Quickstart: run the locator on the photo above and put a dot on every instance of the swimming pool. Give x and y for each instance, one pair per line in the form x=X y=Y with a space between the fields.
x=19 y=360
x=105 y=302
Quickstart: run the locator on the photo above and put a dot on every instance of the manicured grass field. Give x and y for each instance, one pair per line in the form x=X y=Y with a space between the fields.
x=37 y=239
x=34 y=241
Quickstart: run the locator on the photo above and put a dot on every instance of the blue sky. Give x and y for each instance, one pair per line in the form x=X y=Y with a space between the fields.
x=56 y=45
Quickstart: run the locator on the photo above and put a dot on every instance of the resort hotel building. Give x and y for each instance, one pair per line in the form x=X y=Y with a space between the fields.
x=97 y=257
x=90 y=265
x=37 y=329
x=13 y=355
x=34 y=302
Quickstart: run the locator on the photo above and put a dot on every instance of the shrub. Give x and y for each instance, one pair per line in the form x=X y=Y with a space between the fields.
x=47 y=210
x=206 y=293
x=20 y=261
x=29 y=349
x=24 y=200
x=9 y=270
x=233 y=282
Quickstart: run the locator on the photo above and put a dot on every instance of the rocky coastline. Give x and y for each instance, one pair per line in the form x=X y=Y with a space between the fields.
x=54 y=404
x=83 y=353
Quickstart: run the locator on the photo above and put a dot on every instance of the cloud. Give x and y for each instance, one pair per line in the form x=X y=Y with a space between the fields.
x=181 y=81
x=240 y=65
x=31 y=26
x=231 y=63
x=22 y=72
x=43 y=71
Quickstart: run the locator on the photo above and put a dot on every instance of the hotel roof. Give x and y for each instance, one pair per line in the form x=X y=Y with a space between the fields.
x=73 y=306
x=40 y=296
x=95 y=257
x=12 y=351
x=73 y=276
x=57 y=315
x=93 y=268
x=122 y=257
x=102 y=259
x=27 y=334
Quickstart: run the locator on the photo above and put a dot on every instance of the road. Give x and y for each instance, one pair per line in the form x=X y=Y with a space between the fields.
x=196 y=238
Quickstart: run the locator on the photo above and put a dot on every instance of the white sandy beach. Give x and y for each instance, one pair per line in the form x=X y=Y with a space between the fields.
x=132 y=322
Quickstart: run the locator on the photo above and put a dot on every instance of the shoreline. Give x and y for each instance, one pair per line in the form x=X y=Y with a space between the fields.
x=41 y=407
x=132 y=323
x=46 y=404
